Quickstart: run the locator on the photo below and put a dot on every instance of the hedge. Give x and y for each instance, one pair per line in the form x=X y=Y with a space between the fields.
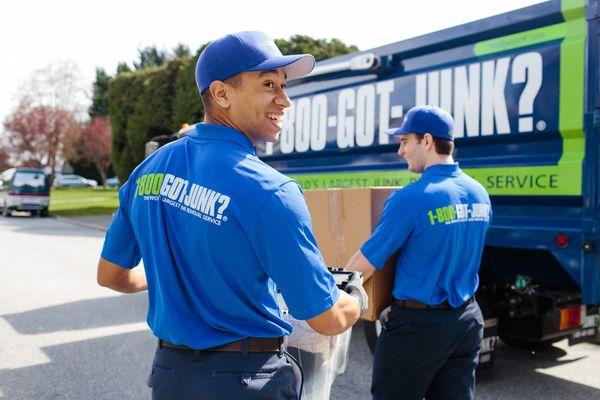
x=148 y=103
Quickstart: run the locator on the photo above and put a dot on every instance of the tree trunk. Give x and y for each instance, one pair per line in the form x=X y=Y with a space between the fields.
x=102 y=173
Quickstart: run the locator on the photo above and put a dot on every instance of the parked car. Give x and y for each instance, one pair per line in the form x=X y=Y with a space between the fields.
x=113 y=182
x=24 y=189
x=73 y=181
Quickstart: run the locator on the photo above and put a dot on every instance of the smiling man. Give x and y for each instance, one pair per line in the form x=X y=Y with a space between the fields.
x=432 y=333
x=220 y=232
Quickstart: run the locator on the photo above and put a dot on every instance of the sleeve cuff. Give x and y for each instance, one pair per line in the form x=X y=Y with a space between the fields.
x=326 y=304
x=372 y=259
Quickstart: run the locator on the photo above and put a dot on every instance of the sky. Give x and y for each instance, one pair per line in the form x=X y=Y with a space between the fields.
x=37 y=33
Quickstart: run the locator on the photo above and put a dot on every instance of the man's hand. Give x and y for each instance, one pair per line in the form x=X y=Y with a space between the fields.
x=358 y=262
x=354 y=288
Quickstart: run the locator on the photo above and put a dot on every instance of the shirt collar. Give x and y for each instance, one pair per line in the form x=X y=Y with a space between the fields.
x=442 y=169
x=222 y=132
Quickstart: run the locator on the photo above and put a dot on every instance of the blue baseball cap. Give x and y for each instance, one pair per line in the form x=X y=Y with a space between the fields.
x=426 y=119
x=247 y=51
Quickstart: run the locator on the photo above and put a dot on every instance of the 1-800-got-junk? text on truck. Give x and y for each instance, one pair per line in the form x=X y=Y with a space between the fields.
x=524 y=90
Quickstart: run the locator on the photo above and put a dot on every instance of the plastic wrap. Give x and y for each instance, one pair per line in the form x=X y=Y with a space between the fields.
x=321 y=357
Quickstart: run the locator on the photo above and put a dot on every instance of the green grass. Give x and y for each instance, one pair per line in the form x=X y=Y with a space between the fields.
x=83 y=201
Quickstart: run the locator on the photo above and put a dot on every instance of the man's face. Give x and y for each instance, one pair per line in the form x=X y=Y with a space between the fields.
x=258 y=105
x=413 y=151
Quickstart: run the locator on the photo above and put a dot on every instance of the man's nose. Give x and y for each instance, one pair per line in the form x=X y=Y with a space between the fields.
x=400 y=150
x=282 y=99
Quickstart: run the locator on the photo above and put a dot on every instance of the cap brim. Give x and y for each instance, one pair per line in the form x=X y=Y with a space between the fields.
x=295 y=66
x=395 y=132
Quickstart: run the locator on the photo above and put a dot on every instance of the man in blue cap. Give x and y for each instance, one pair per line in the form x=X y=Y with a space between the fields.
x=220 y=233
x=432 y=332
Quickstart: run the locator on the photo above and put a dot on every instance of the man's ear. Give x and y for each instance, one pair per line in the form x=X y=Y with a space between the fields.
x=220 y=93
x=428 y=141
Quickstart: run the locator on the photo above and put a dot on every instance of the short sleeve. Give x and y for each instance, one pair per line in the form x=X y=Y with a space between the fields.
x=284 y=243
x=392 y=230
x=120 y=244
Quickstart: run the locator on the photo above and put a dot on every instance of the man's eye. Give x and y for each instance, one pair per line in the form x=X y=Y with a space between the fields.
x=269 y=84
x=283 y=86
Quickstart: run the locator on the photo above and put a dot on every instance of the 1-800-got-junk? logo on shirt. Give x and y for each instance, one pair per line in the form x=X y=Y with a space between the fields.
x=199 y=201
x=456 y=213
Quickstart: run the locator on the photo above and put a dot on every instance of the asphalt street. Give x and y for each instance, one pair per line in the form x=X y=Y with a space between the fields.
x=63 y=337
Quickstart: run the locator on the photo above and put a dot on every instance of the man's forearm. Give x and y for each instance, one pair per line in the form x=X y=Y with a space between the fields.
x=344 y=313
x=359 y=263
x=132 y=282
x=122 y=280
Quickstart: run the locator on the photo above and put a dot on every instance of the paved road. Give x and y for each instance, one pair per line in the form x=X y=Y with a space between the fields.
x=63 y=337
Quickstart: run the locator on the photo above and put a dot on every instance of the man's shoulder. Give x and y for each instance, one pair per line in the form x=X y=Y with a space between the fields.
x=475 y=186
x=411 y=191
x=260 y=176
x=408 y=194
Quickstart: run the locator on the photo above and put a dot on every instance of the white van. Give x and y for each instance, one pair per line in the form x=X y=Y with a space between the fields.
x=24 y=189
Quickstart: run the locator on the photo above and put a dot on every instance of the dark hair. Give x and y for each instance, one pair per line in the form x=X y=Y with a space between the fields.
x=207 y=98
x=442 y=146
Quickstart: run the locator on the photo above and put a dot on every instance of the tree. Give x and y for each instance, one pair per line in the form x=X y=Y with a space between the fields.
x=36 y=134
x=96 y=137
x=99 y=105
x=123 y=67
x=51 y=103
x=181 y=50
x=58 y=85
x=4 y=158
x=150 y=57
x=321 y=49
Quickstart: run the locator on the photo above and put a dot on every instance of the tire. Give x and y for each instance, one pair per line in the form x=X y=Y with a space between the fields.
x=372 y=332
x=43 y=213
x=6 y=212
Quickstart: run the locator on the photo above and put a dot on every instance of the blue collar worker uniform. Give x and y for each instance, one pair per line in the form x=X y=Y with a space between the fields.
x=220 y=232
x=437 y=225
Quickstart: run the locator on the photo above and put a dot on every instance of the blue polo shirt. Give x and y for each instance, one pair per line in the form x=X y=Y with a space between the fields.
x=438 y=225
x=219 y=232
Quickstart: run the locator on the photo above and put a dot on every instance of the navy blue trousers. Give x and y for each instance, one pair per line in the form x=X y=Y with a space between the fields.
x=182 y=375
x=428 y=354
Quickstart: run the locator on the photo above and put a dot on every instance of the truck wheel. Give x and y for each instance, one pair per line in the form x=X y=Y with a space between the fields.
x=43 y=213
x=6 y=212
x=372 y=332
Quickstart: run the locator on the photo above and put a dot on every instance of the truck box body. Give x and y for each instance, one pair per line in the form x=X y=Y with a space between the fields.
x=523 y=88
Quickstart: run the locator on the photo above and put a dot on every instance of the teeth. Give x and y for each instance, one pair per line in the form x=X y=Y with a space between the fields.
x=272 y=116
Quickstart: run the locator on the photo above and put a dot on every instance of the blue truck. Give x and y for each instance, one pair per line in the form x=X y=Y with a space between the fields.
x=524 y=90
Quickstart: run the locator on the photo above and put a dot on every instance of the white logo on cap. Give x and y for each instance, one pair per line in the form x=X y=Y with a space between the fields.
x=266 y=43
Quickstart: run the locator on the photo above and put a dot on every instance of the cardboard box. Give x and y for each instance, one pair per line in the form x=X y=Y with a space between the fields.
x=343 y=219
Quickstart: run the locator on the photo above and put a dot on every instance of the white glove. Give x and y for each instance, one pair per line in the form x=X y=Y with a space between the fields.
x=354 y=287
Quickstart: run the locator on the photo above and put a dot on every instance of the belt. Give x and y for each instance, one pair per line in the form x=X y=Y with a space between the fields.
x=422 y=306
x=248 y=344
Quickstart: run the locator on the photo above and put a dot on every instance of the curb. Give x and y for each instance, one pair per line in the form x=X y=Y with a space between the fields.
x=74 y=221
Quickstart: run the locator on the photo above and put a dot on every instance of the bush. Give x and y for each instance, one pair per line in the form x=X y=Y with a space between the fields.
x=141 y=107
